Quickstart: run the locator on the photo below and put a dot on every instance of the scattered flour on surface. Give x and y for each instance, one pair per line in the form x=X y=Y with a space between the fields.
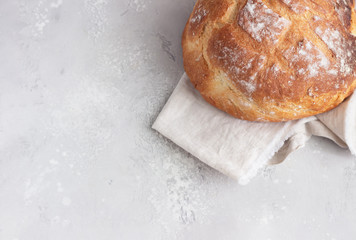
x=97 y=12
x=66 y=201
x=57 y=4
x=138 y=5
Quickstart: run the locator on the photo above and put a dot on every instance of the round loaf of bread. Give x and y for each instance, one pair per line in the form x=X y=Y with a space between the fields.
x=272 y=60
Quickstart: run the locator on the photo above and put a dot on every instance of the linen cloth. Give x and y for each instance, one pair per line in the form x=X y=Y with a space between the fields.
x=240 y=148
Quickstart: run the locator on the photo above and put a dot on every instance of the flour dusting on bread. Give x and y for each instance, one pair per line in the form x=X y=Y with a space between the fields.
x=264 y=60
x=296 y=5
x=261 y=22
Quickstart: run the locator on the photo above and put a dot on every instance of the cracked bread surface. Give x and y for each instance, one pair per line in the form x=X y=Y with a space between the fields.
x=272 y=60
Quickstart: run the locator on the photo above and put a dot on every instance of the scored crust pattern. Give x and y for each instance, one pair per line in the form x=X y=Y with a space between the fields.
x=261 y=22
x=271 y=60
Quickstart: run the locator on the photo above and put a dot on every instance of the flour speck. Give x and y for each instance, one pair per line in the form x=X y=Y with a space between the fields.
x=66 y=201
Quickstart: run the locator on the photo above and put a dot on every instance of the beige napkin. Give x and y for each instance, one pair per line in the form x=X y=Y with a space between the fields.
x=239 y=148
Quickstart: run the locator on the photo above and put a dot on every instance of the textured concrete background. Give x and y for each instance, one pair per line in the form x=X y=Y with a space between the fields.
x=81 y=82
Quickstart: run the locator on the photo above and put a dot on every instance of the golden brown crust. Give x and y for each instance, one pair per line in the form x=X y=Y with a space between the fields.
x=272 y=60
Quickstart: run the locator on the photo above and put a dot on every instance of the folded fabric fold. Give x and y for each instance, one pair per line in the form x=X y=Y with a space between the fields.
x=239 y=148
x=342 y=122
